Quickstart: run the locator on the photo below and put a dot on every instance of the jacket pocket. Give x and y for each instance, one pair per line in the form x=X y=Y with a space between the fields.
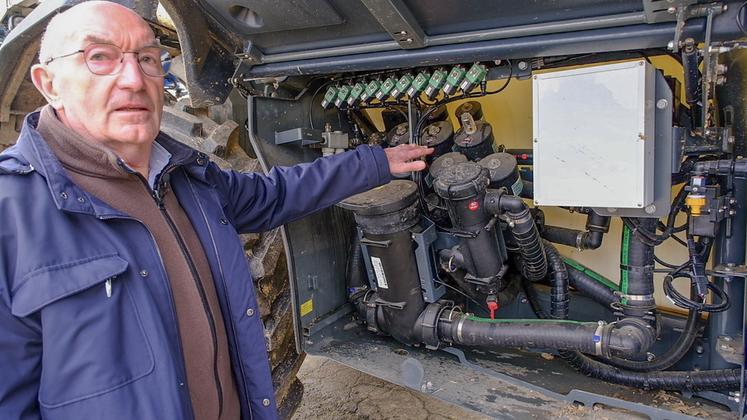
x=92 y=335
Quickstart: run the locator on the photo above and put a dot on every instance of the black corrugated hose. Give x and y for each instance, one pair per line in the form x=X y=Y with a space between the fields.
x=671 y=380
x=559 y=282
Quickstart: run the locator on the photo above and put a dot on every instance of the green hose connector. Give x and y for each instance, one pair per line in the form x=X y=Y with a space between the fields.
x=624 y=250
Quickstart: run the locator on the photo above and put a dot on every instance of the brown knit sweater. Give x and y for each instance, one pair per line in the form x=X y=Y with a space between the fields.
x=94 y=168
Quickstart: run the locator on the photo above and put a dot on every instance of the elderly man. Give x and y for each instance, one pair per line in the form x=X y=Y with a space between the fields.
x=124 y=291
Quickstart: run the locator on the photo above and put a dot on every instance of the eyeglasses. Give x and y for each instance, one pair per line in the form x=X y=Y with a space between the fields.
x=108 y=59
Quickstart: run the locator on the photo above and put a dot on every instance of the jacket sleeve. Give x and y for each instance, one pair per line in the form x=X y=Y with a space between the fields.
x=258 y=202
x=20 y=364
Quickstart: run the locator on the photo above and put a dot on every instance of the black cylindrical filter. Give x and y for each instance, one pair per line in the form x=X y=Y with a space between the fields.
x=440 y=114
x=398 y=135
x=385 y=215
x=439 y=136
x=474 y=139
x=503 y=172
x=463 y=188
x=470 y=107
x=444 y=161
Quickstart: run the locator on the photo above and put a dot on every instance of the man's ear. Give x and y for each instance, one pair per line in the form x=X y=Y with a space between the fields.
x=42 y=77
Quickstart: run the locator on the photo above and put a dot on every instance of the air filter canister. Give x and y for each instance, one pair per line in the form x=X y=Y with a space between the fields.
x=385 y=215
x=474 y=139
x=503 y=172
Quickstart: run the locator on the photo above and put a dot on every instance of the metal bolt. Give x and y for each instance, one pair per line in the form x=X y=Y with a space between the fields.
x=523 y=300
x=662 y=103
x=670 y=45
x=250 y=312
x=536 y=140
x=650 y=209
x=699 y=349
x=403 y=33
x=408 y=40
x=672 y=10
x=650 y=356
x=522 y=65
x=611 y=209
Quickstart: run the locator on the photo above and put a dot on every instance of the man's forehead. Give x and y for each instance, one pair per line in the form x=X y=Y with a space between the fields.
x=94 y=35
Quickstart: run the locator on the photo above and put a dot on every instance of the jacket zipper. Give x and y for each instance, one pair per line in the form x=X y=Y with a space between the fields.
x=228 y=303
x=157 y=195
x=168 y=290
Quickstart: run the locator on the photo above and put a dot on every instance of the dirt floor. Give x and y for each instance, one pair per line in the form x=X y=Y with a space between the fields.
x=334 y=391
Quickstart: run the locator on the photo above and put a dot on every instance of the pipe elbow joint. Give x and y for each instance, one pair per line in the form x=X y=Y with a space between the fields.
x=630 y=337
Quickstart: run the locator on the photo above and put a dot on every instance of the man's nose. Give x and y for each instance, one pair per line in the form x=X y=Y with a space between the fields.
x=131 y=76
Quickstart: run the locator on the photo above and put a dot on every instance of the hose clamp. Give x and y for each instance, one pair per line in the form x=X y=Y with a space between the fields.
x=580 y=241
x=637 y=298
x=597 y=338
x=459 y=328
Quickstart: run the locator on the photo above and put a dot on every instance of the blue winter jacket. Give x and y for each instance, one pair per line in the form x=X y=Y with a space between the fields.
x=70 y=351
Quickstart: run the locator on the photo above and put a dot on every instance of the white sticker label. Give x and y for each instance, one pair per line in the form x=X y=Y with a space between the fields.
x=379 y=271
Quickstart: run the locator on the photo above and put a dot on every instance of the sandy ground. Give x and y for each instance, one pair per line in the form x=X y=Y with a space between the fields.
x=334 y=391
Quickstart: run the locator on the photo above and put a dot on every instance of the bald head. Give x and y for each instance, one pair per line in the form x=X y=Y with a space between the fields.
x=118 y=106
x=64 y=30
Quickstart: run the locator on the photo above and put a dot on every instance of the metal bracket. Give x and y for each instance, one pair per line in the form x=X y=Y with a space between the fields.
x=665 y=10
x=398 y=21
x=426 y=261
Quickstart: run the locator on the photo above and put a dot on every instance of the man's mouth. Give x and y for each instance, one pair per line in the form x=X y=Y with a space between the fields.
x=132 y=108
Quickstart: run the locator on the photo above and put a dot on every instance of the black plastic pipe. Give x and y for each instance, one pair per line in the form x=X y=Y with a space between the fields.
x=637 y=264
x=621 y=339
x=596 y=226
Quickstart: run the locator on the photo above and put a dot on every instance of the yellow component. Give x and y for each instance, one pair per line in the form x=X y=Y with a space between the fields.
x=307 y=307
x=696 y=203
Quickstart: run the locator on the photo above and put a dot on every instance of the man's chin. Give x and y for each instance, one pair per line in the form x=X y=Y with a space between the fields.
x=135 y=135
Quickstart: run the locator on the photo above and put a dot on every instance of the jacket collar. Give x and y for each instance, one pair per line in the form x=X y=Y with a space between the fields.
x=31 y=153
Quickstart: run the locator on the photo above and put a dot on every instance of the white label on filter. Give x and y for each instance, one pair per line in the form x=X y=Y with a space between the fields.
x=379 y=271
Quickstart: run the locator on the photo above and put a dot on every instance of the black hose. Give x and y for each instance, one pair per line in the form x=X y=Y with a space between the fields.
x=694 y=380
x=637 y=264
x=670 y=380
x=591 y=287
x=673 y=355
x=588 y=337
x=524 y=230
x=356 y=272
x=559 y=300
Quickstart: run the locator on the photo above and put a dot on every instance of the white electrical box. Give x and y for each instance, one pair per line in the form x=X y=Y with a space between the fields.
x=593 y=136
